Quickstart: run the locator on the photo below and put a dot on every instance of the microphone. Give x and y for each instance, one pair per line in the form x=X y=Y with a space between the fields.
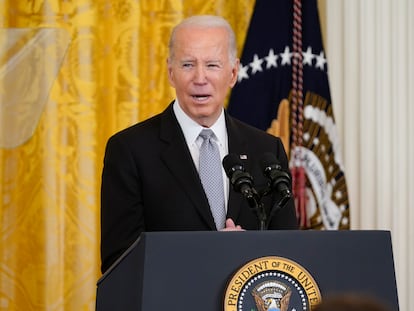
x=279 y=180
x=241 y=180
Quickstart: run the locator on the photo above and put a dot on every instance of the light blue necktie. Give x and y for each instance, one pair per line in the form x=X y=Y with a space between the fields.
x=212 y=177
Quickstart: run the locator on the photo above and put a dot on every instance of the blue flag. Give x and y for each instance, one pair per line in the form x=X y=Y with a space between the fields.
x=292 y=100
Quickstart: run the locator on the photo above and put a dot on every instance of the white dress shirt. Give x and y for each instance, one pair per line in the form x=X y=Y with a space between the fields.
x=192 y=129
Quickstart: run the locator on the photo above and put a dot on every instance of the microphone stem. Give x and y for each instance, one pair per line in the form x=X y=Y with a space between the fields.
x=262 y=218
x=257 y=206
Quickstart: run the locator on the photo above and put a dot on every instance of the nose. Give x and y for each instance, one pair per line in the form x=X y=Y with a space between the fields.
x=200 y=75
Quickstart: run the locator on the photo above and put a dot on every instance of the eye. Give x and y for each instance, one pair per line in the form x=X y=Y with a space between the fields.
x=213 y=65
x=187 y=65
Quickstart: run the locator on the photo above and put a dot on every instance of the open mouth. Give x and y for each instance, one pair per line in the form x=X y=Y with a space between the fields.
x=201 y=97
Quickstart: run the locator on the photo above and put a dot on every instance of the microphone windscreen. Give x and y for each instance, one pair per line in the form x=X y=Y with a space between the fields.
x=269 y=160
x=231 y=162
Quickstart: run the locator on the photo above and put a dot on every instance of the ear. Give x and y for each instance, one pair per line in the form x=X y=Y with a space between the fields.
x=234 y=73
x=170 y=73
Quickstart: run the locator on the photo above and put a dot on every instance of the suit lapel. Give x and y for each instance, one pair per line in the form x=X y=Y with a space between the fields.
x=178 y=159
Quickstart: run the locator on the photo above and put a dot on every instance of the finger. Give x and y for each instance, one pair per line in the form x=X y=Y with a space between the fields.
x=230 y=223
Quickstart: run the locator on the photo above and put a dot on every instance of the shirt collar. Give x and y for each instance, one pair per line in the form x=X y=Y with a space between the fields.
x=192 y=129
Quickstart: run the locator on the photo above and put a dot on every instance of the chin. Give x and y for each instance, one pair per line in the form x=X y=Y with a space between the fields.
x=206 y=113
x=206 y=119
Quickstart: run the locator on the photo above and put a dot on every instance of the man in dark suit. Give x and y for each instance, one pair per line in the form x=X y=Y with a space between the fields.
x=150 y=180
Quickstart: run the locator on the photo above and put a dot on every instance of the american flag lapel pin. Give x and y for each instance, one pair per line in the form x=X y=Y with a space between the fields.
x=243 y=157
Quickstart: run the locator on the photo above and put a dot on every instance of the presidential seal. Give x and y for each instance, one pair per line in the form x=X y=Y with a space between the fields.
x=271 y=284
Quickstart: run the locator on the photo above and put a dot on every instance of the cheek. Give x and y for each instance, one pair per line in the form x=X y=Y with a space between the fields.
x=226 y=82
x=179 y=79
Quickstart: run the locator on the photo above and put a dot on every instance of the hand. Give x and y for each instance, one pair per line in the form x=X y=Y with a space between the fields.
x=231 y=226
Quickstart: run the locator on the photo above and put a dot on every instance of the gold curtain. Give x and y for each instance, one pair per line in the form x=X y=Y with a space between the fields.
x=113 y=74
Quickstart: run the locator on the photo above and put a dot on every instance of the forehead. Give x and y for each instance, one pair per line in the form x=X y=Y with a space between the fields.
x=195 y=41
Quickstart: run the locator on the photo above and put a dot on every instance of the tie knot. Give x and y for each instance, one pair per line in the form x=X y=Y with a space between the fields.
x=206 y=134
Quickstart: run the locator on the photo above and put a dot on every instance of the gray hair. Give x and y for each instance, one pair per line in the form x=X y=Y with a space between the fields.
x=207 y=21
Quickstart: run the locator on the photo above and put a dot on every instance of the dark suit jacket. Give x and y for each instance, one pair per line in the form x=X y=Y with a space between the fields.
x=150 y=183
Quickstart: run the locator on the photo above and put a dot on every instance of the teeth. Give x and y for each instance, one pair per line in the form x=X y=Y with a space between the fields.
x=200 y=97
